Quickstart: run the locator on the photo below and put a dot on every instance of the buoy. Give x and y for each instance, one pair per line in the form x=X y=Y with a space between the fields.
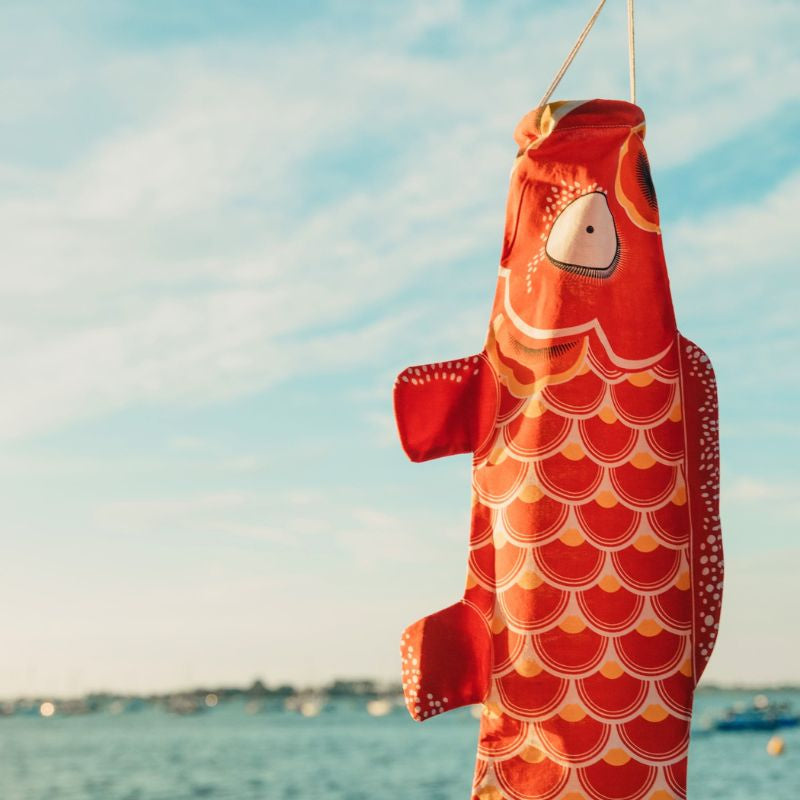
x=776 y=746
x=47 y=709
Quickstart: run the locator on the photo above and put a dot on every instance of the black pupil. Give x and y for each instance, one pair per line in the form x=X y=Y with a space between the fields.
x=589 y=229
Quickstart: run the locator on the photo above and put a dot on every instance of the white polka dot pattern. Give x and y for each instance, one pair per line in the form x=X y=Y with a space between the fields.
x=700 y=398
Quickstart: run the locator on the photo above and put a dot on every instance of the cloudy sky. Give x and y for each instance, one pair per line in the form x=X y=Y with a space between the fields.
x=226 y=226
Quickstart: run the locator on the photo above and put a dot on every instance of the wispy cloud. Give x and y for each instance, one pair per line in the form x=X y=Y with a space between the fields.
x=757 y=642
x=754 y=237
x=734 y=278
x=193 y=217
x=783 y=497
x=201 y=252
x=200 y=515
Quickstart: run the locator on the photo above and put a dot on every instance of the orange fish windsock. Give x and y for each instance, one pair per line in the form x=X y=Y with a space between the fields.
x=595 y=562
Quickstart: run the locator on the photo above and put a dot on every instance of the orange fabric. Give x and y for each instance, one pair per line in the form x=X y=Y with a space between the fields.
x=595 y=561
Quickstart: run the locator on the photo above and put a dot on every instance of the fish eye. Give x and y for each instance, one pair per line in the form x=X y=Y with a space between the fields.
x=583 y=239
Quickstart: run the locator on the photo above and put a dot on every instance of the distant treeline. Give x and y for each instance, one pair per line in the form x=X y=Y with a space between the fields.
x=340 y=688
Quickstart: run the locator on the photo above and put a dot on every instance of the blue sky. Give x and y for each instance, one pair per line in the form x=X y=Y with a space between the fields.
x=228 y=225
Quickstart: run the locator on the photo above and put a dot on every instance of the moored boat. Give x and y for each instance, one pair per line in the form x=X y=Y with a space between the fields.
x=762 y=715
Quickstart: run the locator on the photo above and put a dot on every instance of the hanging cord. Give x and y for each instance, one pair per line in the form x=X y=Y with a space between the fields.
x=577 y=46
x=572 y=53
x=631 y=52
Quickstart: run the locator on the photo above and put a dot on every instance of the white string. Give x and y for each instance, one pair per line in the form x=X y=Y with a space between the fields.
x=577 y=46
x=631 y=52
x=572 y=53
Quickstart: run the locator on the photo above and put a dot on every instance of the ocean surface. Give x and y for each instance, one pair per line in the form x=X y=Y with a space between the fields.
x=342 y=754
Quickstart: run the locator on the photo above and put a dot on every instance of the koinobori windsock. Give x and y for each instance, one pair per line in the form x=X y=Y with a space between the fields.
x=595 y=566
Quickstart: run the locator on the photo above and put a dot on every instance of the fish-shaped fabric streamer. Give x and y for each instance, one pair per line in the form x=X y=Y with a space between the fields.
x=595 y=561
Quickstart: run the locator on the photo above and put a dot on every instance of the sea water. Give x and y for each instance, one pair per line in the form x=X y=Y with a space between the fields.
x=341 y=754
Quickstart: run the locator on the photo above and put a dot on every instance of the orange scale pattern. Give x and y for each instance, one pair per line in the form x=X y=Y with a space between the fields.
x=530 y=696
x=578 y=398
x=608 y=440
x=612 y=696
x=644 y=491
x=568 y=476
x=586 y=587
x=507 y=647
x=611 y=780
x=520 y=782
x=528 y=521
x=502 y=736
x=675 y=775
x=673 y=608
x=534 y=437
x=531 y=607
x=676 y=692
x=592 y=674
x=665 y=439
x=482 y=526
x=668 y=742
x=568 y=653
x=567 y=565
x=577 y=741
x=609 y=525
x=497 y=483
x=647 y=571
x=643 y=405
x=649 y=656
x=671 y=521
x=610 y=611
x=496 y=566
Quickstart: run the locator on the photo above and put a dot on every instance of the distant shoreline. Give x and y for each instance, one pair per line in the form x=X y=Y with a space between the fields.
x=365 y=689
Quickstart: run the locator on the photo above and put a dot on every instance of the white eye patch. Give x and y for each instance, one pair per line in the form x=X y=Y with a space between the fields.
x=583 y=238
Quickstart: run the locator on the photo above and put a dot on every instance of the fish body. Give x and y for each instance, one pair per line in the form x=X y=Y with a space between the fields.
x=595 y=562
